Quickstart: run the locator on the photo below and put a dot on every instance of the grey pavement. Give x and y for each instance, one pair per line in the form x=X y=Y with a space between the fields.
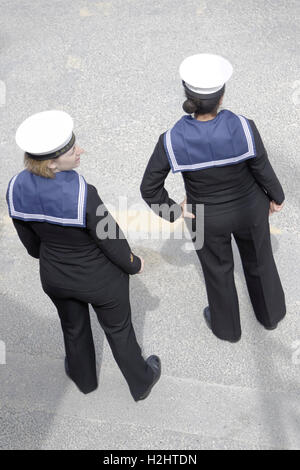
x=113 y=65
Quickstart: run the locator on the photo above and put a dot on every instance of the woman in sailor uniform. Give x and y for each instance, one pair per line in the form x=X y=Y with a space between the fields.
x=225 y=167
x=56 y=214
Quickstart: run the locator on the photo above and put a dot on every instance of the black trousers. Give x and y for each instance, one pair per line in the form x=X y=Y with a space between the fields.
x=247 y=219
x=112 y=307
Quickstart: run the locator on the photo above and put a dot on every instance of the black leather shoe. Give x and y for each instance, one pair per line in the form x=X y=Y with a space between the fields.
x=271 y=327
x=67 y=368
x=155 y=364
x=206 y=314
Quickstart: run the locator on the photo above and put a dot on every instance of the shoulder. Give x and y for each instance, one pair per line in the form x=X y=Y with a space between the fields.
x=91 y=188
x=250 y=121
x=230 y=115
x=19 y=175
x=92 y=191
x=93 y=197
x=12 y=183
x=159 y=146
x=178 y=126
x=161 y=139
x=252 y=125
x=92 y=200
x=254 y=129
x=160 y=149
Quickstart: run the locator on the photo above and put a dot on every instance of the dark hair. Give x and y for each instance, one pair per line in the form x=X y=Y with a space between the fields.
x=196 y=105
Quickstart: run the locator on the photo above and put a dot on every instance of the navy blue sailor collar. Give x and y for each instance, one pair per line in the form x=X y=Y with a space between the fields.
x=60 y=200
x=194 y=145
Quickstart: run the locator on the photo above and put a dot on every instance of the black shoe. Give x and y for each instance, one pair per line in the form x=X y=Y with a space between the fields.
x=67 y=368
x=271 y=327
x=155 y=364
x=207 y=317
x=206 y=313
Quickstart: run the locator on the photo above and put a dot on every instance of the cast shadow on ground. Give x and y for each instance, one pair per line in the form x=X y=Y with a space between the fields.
x=282 y=427
x=34 y=369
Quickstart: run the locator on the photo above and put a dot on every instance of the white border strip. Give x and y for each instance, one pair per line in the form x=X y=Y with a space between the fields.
x=49 y=218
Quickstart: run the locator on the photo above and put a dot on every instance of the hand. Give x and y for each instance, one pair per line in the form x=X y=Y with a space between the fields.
x=185 y=213
x=142 y=265
x=275 y=207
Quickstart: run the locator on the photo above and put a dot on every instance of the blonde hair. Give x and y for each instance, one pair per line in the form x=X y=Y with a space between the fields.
x=38 y=167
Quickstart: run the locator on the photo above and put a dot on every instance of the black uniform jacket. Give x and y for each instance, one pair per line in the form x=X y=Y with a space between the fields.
x=214 y=185
x=75 y=258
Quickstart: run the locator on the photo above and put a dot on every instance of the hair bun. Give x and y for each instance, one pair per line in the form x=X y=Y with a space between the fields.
x=189 y=106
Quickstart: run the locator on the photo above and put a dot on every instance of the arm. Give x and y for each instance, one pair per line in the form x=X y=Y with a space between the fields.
x=114 y=246
x=262 y=170
x=28 y=237
x=152 y=186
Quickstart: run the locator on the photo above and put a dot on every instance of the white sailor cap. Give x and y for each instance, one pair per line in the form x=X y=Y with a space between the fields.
x=205 y=74
x=46 y=135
